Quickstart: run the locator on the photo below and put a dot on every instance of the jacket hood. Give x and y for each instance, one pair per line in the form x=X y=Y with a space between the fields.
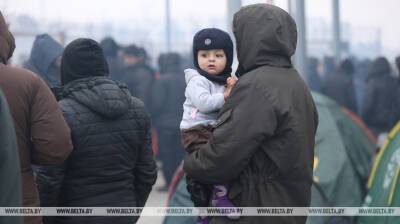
x=190 y=74
x=7 y=42
x=265 y=35
x=83 y=58
x=45 y=51
x=102 y=95
x=380 y=67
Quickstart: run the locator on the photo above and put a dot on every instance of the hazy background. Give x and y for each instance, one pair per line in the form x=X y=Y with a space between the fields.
x=369 y=27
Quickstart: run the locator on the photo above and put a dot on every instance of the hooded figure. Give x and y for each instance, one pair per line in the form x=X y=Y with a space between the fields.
x=45 y=59
x=340 y=86
x=43 y=136
x=380 y=97
x=112 y=162
x=263 y=141
x=10 y=173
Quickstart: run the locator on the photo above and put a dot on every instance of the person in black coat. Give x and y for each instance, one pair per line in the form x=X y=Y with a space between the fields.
x=137 y=74
x=379 y=97
x=111 y=50
x=112 y=162
x=167 y=100
x=340 y=87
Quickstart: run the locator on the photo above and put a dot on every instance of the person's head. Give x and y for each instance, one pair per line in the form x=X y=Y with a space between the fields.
x=83 y=58
x=379 y=67
x=170 y=62
x=213 y=51
x=7 y=42
x=265 y=35
x=397 y=61
x=110 y=47
x=46 y=58
x=133 y=55
x=347 y=67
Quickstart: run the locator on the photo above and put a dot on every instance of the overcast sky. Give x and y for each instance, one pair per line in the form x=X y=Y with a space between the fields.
x=366 y=13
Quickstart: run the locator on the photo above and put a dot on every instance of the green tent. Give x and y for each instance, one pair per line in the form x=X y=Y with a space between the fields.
x=344 y=148
x=180 y=198
x=384 y=182
x=343 y=153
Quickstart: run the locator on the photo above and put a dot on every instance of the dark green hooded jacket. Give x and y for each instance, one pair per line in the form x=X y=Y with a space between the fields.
x=10 y=172
x=263 y=142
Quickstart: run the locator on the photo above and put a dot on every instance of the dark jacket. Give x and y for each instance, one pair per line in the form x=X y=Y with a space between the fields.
x=340 y=86
x=45 y=51
x=10 y=173
x=112 y=162
x=263 y=142
x=139 y=79
x=380 y=97
x=168 y=93
x=43 y=136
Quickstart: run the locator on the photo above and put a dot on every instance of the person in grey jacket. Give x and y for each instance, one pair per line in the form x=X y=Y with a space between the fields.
x=205 y=94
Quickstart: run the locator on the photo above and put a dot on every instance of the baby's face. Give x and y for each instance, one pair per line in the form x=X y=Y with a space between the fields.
x=212 y=61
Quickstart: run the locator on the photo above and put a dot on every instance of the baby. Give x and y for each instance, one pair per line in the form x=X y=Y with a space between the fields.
x=208 y=86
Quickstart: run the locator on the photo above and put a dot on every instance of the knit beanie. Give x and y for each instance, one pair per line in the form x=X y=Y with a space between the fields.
x=210 y=39
x=83 y=58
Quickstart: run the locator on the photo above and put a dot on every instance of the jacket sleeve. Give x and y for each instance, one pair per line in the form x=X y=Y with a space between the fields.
x=198 y=92
x=145 y=172
x=245 y=122
x=50 y=134
x=49 y=180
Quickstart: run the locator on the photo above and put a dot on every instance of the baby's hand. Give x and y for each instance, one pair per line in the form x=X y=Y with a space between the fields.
x=231 y=81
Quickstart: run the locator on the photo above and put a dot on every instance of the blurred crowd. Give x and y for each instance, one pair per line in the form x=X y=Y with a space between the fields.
x=368 y=88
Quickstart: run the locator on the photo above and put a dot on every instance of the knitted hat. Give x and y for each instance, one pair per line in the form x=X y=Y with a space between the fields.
x=83 y=58
x=210 y=39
